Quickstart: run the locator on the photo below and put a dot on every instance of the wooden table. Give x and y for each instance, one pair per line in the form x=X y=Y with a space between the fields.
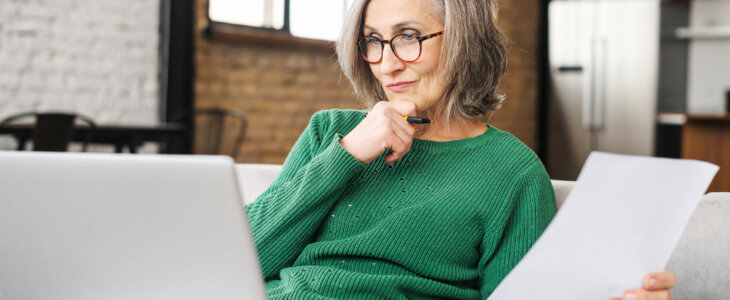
x=117 y=135
x=707 y=137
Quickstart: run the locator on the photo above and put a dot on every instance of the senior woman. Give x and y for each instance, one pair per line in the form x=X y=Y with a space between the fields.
x=372 y=206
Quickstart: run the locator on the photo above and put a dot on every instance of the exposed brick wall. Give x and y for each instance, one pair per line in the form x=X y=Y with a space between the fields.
x=279 y=87
x=520 y=21
x=96 y=57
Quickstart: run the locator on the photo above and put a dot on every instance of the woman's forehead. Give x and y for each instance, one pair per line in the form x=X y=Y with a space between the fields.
x=388 y=15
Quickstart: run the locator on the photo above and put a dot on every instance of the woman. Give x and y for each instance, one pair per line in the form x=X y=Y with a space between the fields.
x=371 y=206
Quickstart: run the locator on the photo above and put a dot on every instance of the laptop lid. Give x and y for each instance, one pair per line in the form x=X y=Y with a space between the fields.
x=99 y=226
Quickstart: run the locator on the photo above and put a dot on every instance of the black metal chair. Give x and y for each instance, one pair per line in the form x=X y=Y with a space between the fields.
x=52 y=131
x=219 y=131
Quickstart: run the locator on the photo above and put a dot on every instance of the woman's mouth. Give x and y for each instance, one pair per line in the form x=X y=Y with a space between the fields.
x=399 y=86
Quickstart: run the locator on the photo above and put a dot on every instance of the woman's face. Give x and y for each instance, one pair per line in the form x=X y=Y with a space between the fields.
x=417 y=81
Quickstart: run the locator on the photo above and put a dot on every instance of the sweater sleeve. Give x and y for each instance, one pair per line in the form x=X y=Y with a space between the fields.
x=530 y=209
x=284 y=219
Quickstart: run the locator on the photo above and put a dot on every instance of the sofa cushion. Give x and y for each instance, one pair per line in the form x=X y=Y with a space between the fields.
x=562 y=189
x=254 y=179
x=701 y=260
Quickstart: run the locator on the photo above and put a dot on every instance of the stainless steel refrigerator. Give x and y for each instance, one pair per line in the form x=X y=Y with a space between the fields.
x=603 y=70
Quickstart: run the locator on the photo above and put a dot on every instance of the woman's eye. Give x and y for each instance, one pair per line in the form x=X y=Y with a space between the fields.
x=410 y=36
x=412 y=33
x=374 y=41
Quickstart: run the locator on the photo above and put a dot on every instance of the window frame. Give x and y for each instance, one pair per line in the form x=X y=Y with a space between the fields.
x=261 y=35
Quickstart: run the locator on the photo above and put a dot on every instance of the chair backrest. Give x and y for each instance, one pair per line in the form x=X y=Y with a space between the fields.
x=219 y=131
x=701 y=260
x=53 y=131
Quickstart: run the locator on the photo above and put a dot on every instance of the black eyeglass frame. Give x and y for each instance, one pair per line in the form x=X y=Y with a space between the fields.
x=383 y=42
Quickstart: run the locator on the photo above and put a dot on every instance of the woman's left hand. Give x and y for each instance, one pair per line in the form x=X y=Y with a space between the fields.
x=656 y=287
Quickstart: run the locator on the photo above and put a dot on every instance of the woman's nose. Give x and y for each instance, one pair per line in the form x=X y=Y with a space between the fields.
x=390 y=62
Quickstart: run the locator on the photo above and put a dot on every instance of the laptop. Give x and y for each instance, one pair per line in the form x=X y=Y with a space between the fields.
x=103 y=226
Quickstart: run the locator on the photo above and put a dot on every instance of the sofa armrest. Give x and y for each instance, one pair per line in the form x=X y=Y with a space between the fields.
x=254 y=179
x=701 y=260
x=562 y=189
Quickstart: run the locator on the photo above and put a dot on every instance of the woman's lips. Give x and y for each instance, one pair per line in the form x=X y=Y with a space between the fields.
x=399 y=86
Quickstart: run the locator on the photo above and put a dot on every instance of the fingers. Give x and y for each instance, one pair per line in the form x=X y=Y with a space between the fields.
x=660 y=281
x=402 y=132
x=656 y=287
x=383 y=128
x=404 y=108
x=400 y=145
x=403 y=125
x=639 y=294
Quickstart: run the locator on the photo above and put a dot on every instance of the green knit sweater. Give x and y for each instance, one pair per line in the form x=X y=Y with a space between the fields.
x=449 y=220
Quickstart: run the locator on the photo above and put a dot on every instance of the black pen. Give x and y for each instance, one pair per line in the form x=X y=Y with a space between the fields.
x=413 y=120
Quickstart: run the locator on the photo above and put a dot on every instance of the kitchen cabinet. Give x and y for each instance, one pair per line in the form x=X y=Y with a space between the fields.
x=707 y=137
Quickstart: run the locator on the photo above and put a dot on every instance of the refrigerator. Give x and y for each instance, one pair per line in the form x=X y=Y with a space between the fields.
x=603 y=58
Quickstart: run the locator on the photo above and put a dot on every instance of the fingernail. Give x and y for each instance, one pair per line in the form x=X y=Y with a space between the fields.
x=652 y=283
x=631 y=296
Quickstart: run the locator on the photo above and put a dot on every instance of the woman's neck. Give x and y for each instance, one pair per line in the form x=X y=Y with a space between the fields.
x=456 y=130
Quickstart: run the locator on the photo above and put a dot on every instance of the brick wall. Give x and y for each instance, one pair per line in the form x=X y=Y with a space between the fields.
x=96 y=57
x=275 y=85
x=520 y=21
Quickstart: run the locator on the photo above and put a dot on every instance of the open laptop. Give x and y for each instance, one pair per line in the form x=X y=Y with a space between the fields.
x=98 y=226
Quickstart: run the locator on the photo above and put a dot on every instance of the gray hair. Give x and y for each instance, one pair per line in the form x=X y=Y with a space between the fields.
x=473 y=57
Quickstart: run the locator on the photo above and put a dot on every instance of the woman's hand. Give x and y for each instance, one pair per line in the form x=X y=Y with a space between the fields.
x=656 y=287
x=383 y=128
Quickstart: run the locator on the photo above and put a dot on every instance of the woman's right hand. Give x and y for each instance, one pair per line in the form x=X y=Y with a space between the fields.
x=383 y=128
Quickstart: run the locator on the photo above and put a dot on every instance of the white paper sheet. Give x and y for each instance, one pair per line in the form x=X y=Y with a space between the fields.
x=621 y=221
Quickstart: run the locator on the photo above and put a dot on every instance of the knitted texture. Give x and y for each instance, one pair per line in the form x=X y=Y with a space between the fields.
x=449 y=220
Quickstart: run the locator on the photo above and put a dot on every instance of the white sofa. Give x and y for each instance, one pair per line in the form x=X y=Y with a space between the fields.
x=701 y=260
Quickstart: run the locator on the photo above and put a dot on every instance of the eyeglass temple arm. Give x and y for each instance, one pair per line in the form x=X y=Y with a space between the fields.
x=430 y=36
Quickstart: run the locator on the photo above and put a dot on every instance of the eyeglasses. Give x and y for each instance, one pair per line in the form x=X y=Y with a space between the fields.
x=406 y=47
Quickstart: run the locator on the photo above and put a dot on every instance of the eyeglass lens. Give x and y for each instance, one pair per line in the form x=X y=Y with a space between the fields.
x=407 y=48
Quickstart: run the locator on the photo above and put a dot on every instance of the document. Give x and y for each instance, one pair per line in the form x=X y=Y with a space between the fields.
x=620 y=222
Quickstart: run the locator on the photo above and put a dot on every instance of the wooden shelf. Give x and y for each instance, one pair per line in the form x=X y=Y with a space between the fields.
x=722 y=117
x=680 y=118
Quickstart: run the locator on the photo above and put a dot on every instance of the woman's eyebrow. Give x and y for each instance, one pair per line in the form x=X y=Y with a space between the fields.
x=370 y=28
x=396 y=26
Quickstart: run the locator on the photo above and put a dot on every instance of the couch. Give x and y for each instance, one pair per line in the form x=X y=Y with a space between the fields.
x=701 y=260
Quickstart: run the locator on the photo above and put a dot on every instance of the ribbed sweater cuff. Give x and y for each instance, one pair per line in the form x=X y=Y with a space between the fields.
x=339 y=164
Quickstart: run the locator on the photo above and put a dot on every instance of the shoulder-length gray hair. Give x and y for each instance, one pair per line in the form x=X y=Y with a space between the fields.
x=473 y=57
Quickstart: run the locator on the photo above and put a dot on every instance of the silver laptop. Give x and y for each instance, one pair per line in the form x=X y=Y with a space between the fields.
x=96 y=226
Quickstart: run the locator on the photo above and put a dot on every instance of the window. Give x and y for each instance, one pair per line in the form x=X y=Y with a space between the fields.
x=254 y=13
x=313 y=19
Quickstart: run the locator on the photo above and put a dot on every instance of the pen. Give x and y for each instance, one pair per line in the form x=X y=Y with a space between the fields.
x=413 y=120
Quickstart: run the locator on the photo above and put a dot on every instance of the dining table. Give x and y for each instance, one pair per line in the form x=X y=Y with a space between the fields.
x=120 y=136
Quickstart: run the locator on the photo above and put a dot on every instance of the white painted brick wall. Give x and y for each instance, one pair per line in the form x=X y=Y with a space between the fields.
x=95 y=57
